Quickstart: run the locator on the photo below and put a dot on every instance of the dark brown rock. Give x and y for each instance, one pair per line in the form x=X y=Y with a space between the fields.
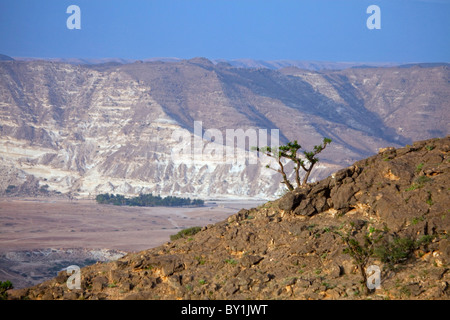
x=414 y=289
x=249 y=260
x=47 y=296
x=342 y=196
x=62 y=277
x=17 y=294
x=290 y=201
x=306 y=208
x=170 y=264
x=98 y=283
x=137 y=296
x=70 y=295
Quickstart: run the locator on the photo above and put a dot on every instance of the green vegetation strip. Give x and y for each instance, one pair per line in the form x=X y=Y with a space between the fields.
x=147 y=200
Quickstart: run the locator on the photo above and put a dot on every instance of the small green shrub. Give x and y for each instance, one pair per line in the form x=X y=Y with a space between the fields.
x=5 y=285
x=416 y=220
x=185 y=233
x=424 y=240
x=360 y=251
x=395 y=251
x=399 y=249
x=429 y=201
x=421 y=180
x=413 y=187
x=405 y=291
x=419 y=183
x=419 y=167
x=10 y=188
x=231 y=261
x=200 y=260
x=44 y=188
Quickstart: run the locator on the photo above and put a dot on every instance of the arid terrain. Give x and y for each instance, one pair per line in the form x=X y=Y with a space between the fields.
x=40 y=236
x=388 y=211
x=75 y=131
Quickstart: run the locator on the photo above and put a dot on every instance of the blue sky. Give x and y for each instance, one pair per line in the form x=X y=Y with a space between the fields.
x=324 y=30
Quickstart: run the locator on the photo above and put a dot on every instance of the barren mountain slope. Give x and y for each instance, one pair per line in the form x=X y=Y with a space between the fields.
x=412 y=102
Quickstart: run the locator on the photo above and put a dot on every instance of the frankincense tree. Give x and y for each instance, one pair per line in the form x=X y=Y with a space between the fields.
x=291 y=151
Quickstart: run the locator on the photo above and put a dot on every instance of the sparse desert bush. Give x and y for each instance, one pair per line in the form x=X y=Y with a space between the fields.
x=419 y=183
x=374 y=243
x=395 y=251
x=419 y=167
x=361 y=252
x=5 y=285
x=10 y=188
x=185 y=233
x=231 y=261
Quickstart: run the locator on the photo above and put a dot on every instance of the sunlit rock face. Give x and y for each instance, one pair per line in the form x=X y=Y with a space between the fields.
x=93 y=129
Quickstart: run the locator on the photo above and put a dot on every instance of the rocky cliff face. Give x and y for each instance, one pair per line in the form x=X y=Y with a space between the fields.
x=292 y=248
x=108 y=128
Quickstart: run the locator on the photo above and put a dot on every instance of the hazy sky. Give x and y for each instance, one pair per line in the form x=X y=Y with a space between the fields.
x=328 y=30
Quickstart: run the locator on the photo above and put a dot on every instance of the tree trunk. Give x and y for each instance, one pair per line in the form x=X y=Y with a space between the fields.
x=297 y=175
x=364 y=276
x=286 y=181
x=305 y=179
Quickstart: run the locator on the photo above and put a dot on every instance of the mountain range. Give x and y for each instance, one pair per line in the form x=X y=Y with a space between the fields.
x=108 y=127
x=240 y=63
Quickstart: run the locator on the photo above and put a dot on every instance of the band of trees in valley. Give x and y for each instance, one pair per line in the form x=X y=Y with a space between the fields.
x=147 y=200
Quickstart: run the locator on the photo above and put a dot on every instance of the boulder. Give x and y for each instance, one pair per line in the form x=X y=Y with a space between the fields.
x=290 y=201
x=249 y=260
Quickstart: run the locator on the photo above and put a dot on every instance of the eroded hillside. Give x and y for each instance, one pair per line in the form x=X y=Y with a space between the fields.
x=89 y=129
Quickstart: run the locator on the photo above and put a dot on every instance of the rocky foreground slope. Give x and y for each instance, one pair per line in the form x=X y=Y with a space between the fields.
x=293 y=248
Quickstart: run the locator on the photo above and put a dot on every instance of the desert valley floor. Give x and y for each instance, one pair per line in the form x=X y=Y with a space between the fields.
x=39 y=237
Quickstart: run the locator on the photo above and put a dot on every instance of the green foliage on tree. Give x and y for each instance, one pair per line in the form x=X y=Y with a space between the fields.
x=291 y=151
x=379 y=244
x=398 y=250
x=44 y=189
x=10 y=188
x=147 y=200
x=362 y=251
x=4 y=286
